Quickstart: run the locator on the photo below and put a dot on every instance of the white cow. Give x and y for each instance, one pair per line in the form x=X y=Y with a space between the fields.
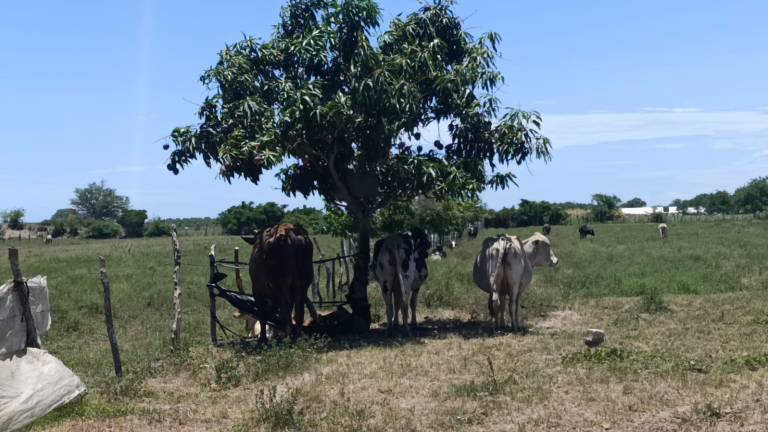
x=663 y=231
x=504 y=268
x=400 y=267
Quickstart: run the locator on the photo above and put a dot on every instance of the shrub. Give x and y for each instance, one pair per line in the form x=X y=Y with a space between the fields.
x=247 y=217
x=58 y=229
x=103 y=229
x=132 y=222
x=657 y=217
x=14 y=218
x=157 y=228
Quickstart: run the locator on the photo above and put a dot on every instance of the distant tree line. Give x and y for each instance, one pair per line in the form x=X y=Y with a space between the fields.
x=750 y=198
x=528 y=213
x=439 y=217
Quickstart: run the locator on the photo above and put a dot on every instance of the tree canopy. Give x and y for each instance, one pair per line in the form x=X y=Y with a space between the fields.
x=752 y=197
x=605 y=207
x=14 y=218
x=634 y=202
x=247 y=217
x=132 y=222
x=341 y=112
x=97 y=201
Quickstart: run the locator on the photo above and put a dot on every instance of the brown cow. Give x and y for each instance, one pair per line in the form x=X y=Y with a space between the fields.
x=281 y=271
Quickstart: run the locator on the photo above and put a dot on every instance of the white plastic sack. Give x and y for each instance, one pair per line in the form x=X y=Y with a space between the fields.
x=13 y=331
x=32 y=384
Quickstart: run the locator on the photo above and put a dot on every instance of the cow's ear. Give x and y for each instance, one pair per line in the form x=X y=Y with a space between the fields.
x=250 y=239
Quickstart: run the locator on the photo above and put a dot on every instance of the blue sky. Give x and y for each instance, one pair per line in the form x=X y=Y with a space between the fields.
x=655 y=99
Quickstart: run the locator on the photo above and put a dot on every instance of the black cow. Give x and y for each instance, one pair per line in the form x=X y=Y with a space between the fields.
x=585 y=231
x=546 y=229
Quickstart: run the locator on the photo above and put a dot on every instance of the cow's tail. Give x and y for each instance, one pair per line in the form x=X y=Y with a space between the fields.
x=495 y=265
x=399 y=286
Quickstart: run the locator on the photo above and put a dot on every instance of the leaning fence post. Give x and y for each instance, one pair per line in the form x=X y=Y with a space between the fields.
x=211 y=296
x=22 y=291
x=108 y=318
x=176 y=325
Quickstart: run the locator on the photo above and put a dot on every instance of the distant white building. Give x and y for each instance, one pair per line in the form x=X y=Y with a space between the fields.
x=666 y=209
x=645 y=211
x=695 y=210
x=636 y=211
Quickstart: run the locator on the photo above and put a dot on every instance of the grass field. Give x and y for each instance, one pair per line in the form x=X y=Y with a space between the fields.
x=686 y=322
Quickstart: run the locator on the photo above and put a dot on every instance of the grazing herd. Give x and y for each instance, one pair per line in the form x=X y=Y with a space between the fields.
x=281 y=272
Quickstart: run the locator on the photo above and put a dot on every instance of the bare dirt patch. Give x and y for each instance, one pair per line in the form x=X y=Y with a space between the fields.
x=559 y=320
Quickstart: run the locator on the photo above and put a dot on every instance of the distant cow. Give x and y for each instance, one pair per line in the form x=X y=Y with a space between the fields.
x=400 y=267
x=584 y=231
x=438 y=253
x=504 y=268
x=663 y=231
x=452 y=244
x=546 y=229
x=48 y=239
x=281 y=272
x=472 y=231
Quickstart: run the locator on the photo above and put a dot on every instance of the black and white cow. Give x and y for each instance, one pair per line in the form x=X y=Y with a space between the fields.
x=400 y=267
x=584 y=231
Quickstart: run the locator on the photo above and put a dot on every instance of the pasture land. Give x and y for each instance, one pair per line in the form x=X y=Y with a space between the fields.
x=686 y=349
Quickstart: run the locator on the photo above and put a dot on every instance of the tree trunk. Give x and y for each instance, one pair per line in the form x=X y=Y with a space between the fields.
x=358 y=292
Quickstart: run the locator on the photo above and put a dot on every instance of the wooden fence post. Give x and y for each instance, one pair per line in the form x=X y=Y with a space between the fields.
x=238 y=279
x=22 y=291
x=108 y=318
x=176 y=325
x=211 y=296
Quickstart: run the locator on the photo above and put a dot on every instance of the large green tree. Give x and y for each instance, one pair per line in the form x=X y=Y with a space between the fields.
x=247 y=217
x=340 y=112
x=604 y=207
x=752 y=197
x=634 y=202
x=14 y=218
x=132 y=222
x=98 y=201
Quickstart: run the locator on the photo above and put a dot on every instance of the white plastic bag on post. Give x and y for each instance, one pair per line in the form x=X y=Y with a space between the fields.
x=32 y=382
x=13 y=332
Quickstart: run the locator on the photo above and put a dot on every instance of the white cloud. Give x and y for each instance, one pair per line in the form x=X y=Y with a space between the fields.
x=597 y=128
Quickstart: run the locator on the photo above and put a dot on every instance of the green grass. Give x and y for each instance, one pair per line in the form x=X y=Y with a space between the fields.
x=623 y=260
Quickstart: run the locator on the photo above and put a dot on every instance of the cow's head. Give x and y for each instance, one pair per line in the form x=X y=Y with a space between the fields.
x=420 y=241
x=539 y=251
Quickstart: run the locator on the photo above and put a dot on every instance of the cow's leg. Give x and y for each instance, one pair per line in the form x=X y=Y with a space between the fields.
x=398 y=293
x=386 y=291
x=503 y=298
x=512 y=306
x=298 y=309
x=518 y=300
x=404 y=312
x=414 y=302
x=263 y=332
x=494 y=304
